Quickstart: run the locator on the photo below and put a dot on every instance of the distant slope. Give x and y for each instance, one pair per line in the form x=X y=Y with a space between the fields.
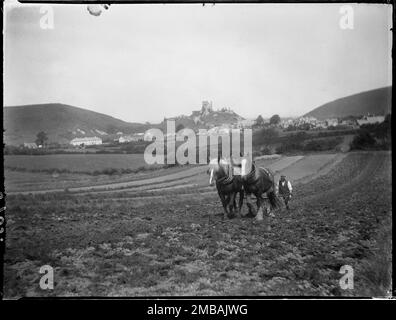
x=206 y=118
x=376 y=102
x=61 y=123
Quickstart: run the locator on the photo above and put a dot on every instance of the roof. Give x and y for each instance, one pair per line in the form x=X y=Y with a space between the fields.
x=87 y=138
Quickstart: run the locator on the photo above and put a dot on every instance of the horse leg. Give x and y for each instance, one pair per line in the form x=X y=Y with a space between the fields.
x=232 y=204
x=250 y=205
x=267 y=207
x=260 y=201
x=241 y=195
x=224 y=203
x=260 y=215
x=236 y=206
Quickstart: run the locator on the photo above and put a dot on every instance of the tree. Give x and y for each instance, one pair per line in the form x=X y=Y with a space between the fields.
x=362 y=140
x=275 y=119
x=111 y=129
x=259 y=121
x=265 y=136
x=41 y=138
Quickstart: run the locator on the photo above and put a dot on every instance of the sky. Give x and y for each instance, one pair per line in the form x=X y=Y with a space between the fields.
x=142 y=63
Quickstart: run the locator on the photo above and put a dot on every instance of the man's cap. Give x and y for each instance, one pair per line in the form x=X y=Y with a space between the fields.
x=283 y=176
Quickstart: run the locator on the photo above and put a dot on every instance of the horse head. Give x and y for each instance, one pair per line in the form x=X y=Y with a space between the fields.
x=246 y=165
x=218 y=168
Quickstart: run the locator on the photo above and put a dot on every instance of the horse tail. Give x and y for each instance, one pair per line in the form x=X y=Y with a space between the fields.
x=272 y=197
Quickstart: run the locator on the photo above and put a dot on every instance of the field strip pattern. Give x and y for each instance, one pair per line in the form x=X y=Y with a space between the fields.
x=201 y=182
x=284 y=162
x=39 y=183
x=308 y=167
x=330 y=163
x=296 y=168
x=174 y=176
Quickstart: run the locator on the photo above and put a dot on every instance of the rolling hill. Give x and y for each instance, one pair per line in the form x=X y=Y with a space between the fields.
x=61 y=123
x=206 y=118
x=375 y=102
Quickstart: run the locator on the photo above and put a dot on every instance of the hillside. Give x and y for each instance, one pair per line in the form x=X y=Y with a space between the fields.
x=206 y=118
x=375 y=102
x=61 y=123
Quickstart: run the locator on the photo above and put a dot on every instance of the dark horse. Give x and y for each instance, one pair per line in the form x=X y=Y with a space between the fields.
x=227 y=184
x=258 y=181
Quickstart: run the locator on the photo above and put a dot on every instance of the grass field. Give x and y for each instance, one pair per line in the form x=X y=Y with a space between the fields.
x=75 y=162
x=36 y=177
x=27 y=172
x=16 y=181
x=166 y=236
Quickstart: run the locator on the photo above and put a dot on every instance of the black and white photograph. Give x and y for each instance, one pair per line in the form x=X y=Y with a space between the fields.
x=197 y=150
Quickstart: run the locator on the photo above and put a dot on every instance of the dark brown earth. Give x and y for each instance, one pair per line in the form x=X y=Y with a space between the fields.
x=174 y=241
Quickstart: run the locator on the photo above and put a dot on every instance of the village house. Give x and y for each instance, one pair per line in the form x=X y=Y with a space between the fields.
x=202 y=133
x=310 y=122
x=131 y=138
x=370 y=120
x=224 y=130
x=170 y=136
x=320 y=124
x=125 y=139
x=30 y=145
x=286 y=123
x=246 y=123
x=86 y=141
x=349 y=122
x=332 y=122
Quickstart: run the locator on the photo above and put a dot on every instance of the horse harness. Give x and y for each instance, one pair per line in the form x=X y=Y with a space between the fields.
x=251 y=177
x=227 y=179
x=252 y=174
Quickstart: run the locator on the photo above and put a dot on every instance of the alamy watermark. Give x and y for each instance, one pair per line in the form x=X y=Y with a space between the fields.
x=47 y=18
x=347 y=17
x=346 y=281
x=196 y=147
x=47 y=280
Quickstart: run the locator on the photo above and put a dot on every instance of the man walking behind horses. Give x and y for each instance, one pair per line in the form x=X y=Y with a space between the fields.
x=285 y=190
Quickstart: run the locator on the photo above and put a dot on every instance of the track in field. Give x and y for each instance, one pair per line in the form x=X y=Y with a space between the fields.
x=297 y=168
x=195 y=177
